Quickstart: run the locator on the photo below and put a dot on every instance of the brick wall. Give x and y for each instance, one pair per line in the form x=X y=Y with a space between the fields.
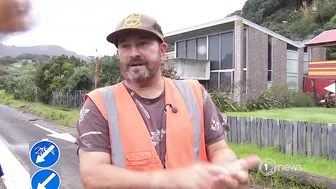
x=279 y=70
x=257 y=61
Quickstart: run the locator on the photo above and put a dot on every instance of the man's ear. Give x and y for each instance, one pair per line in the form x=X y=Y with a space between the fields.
x=117 y=52
x=163 y=49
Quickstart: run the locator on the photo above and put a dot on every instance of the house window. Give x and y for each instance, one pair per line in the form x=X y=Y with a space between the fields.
x=292 y=69
x=201 y=44
x=269 y=74
x=305 y=64
x=213 y=85
x=181 y=49
x=191 y=49
x=227 y=44
x=245 y=49
x=214 y=52
x=244 y=83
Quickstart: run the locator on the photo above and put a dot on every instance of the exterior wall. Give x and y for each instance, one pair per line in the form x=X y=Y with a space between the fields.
x=170 y=55
x=318 y=53
x=279 y=61
x=257 y=57
x=300 y=72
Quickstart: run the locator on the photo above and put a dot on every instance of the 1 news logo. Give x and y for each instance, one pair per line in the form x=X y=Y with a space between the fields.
x=269 y=167
x=45 y=154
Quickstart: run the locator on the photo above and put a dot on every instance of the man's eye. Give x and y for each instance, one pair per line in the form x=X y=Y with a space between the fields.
x=143 y=43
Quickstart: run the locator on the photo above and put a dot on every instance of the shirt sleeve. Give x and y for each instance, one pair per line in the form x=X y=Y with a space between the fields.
x=92 y=129
x=215 y=127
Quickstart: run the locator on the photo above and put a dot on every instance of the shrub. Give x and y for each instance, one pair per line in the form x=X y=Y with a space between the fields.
x=279 y=96
x=224 y=102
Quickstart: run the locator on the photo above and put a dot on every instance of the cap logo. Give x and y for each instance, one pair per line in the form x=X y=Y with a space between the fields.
x=132 y=21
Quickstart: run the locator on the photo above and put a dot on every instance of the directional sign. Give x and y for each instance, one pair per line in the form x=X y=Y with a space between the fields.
x=46 y=179
x=44 y=154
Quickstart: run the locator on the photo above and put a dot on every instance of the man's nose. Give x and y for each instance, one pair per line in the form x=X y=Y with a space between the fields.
x=134 y=52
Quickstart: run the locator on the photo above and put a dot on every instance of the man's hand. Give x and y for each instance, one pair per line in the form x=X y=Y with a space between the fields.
x=207 y=176
x=14 y=15
x=237 y=175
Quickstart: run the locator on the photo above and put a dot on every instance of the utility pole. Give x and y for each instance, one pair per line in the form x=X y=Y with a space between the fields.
x=96 y=75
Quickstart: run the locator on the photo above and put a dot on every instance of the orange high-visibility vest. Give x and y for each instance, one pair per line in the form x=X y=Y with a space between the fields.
x=130 y=142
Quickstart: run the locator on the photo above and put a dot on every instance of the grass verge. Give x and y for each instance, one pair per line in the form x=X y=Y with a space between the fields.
x=314 y=165
x=322 y=115
x=60 y=116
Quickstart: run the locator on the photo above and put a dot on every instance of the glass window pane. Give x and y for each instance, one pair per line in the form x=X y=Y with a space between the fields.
x=292 y=66
x=225 y=81
x=202 y=48
x=213 y=84
x=305 y=67
x=181 y=51
x=244 y=49
x=227 y=50
x=244 y=81
x=191 y=49
x=269 y=53
x=214 y=52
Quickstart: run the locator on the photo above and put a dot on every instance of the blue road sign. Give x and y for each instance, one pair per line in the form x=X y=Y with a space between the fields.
x=45 y=179
x=44 y=154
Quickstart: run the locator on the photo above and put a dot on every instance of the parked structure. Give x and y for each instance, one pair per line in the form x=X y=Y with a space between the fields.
x=237 y=52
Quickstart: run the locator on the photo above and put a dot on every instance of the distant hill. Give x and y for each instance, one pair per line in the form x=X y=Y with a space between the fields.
x=51 y=50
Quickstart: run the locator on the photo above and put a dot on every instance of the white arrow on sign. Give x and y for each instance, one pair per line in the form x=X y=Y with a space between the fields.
x=44 y=183
x=64 y=136
x=40 y=158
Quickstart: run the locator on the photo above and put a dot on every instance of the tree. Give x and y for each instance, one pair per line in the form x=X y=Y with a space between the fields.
x=82 y=79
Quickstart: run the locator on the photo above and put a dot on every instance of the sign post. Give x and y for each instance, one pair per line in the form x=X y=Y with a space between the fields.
x=45 y=154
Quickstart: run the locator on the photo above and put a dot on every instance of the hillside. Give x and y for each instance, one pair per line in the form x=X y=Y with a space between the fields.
x=50 y=50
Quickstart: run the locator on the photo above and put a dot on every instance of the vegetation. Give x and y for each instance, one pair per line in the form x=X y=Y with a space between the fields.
x=321 y=115
x=312 y=164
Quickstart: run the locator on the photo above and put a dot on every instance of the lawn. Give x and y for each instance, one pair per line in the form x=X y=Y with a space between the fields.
x=314 y=165
x=323 y=115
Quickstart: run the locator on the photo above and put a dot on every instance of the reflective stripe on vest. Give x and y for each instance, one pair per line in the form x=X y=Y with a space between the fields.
x=117 y=153
x=194 y=113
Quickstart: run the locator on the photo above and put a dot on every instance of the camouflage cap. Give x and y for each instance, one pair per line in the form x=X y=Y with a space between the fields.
x=139 y=22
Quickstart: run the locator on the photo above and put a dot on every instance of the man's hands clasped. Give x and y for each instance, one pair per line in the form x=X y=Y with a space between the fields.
x=208 y=176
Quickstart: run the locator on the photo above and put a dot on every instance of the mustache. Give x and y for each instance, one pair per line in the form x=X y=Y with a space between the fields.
x=137 y=60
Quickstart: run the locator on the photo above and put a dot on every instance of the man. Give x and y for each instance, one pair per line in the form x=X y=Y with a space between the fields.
x=152 y=132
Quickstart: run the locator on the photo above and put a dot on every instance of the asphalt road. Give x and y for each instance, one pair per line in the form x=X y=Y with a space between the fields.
x=18 y=133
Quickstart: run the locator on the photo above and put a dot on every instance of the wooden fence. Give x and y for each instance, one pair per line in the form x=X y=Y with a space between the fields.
x=291 y=137
x=71 y=99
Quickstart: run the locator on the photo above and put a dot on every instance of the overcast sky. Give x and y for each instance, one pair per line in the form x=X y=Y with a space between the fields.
x=82 y=25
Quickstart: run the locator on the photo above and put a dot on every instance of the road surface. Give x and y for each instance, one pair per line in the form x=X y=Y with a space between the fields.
x=18 y=131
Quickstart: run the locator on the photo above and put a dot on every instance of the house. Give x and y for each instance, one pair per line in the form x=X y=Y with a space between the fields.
x=240 y=55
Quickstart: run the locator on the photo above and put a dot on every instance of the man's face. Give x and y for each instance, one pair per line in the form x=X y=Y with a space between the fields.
x=140 y=56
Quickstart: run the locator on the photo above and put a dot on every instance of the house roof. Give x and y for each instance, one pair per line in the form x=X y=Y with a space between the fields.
x=326 y=38
x=232 y=19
